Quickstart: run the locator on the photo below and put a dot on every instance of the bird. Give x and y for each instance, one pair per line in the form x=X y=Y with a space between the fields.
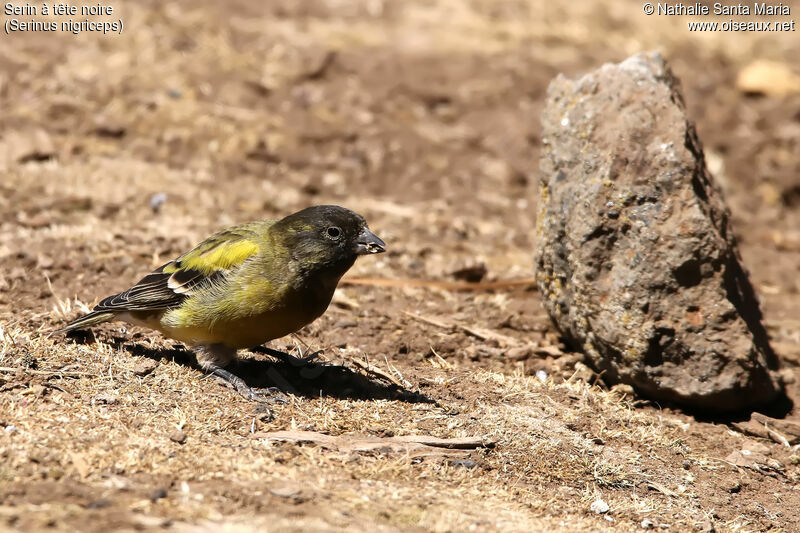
x=244 y=286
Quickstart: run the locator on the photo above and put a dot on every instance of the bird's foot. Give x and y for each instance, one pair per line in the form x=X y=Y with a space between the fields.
x=288 y=358
x=268 y=395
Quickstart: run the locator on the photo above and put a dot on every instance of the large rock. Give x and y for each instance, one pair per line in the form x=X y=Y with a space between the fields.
x=636 y=260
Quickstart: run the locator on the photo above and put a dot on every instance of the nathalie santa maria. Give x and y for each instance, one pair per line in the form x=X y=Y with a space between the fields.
x=718 y=8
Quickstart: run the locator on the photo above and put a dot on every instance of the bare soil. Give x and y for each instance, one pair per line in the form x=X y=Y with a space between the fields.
x=424 y=117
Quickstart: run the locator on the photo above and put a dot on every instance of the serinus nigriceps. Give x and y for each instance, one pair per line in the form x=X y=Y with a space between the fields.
x=244 y=286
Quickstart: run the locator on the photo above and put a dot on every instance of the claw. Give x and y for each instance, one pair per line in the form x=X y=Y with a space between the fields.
x=246 y=391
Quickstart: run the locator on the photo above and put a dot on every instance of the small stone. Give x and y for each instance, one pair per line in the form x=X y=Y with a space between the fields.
x=787 y=375
x=584 y=373
x=519 y=353
x=754 y=460
x=472 y=274
x=100 y=503
x=289 y=491
x=464 y=463
x=708 y=527
x=648 y=524
x=599 y=507
x=178 y=436
x=144 y=367
x=541 y=375
x=158 y=494
x=623 y=388
x=25 y=146
x=106 y=398
x=770 y=78
x=148 y=523
x=757 y=447
x=158 y=200
x=44 y=262
x=104 y=127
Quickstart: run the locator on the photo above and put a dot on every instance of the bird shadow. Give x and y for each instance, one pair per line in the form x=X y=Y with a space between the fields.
x=311 y=379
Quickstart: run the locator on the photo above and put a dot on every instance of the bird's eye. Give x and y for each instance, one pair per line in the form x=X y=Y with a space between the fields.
x=333 y=232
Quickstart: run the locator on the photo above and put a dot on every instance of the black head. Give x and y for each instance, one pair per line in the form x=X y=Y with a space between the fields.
x=327 y=236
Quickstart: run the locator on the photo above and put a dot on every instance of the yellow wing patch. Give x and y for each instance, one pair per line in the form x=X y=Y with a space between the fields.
x=219 y=252
x=221 y=257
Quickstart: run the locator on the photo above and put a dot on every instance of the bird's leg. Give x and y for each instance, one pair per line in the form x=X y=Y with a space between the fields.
x=246 y=391
x=288 y=358
x=214 y=356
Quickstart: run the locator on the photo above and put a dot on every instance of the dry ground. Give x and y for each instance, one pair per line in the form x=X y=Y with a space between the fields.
x=423 y=116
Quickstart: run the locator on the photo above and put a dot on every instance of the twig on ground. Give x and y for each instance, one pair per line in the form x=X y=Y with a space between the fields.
x=444 y=285
x=377 y=372
x=413 y=445
x=479 y=333
x=406 y=384
x=12 y=369
x=439 y=362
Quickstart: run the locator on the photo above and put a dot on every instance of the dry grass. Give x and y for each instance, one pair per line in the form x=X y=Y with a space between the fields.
x=559 y=447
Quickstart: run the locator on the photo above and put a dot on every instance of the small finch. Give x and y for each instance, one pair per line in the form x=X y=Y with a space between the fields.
x=244 y=286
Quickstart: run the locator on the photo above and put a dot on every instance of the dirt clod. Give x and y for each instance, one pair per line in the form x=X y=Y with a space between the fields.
x=157 y=494
x=107 y=398
x=144 y=367
x=464 y=463
x=178 y=436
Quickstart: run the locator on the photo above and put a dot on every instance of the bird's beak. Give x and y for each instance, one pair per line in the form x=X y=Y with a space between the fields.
x=369 y=243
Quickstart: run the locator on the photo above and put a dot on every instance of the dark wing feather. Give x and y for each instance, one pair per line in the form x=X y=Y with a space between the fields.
x=207 y=263
x=159 y=290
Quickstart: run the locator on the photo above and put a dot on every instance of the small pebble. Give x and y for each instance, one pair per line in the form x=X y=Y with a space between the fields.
x=520 y=353
x=648 y=524
x=144 y=367
x=178 y=436
x=102 y=503
x=157 y=494
x=708 y=527
x=599 y=507
x=106 y=398
x=623 y=388
x=541 y=375
x=464 y=463
x=157 y=200
x=286 y=490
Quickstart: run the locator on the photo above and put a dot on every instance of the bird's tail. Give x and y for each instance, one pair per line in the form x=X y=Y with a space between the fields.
x=92 y=319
